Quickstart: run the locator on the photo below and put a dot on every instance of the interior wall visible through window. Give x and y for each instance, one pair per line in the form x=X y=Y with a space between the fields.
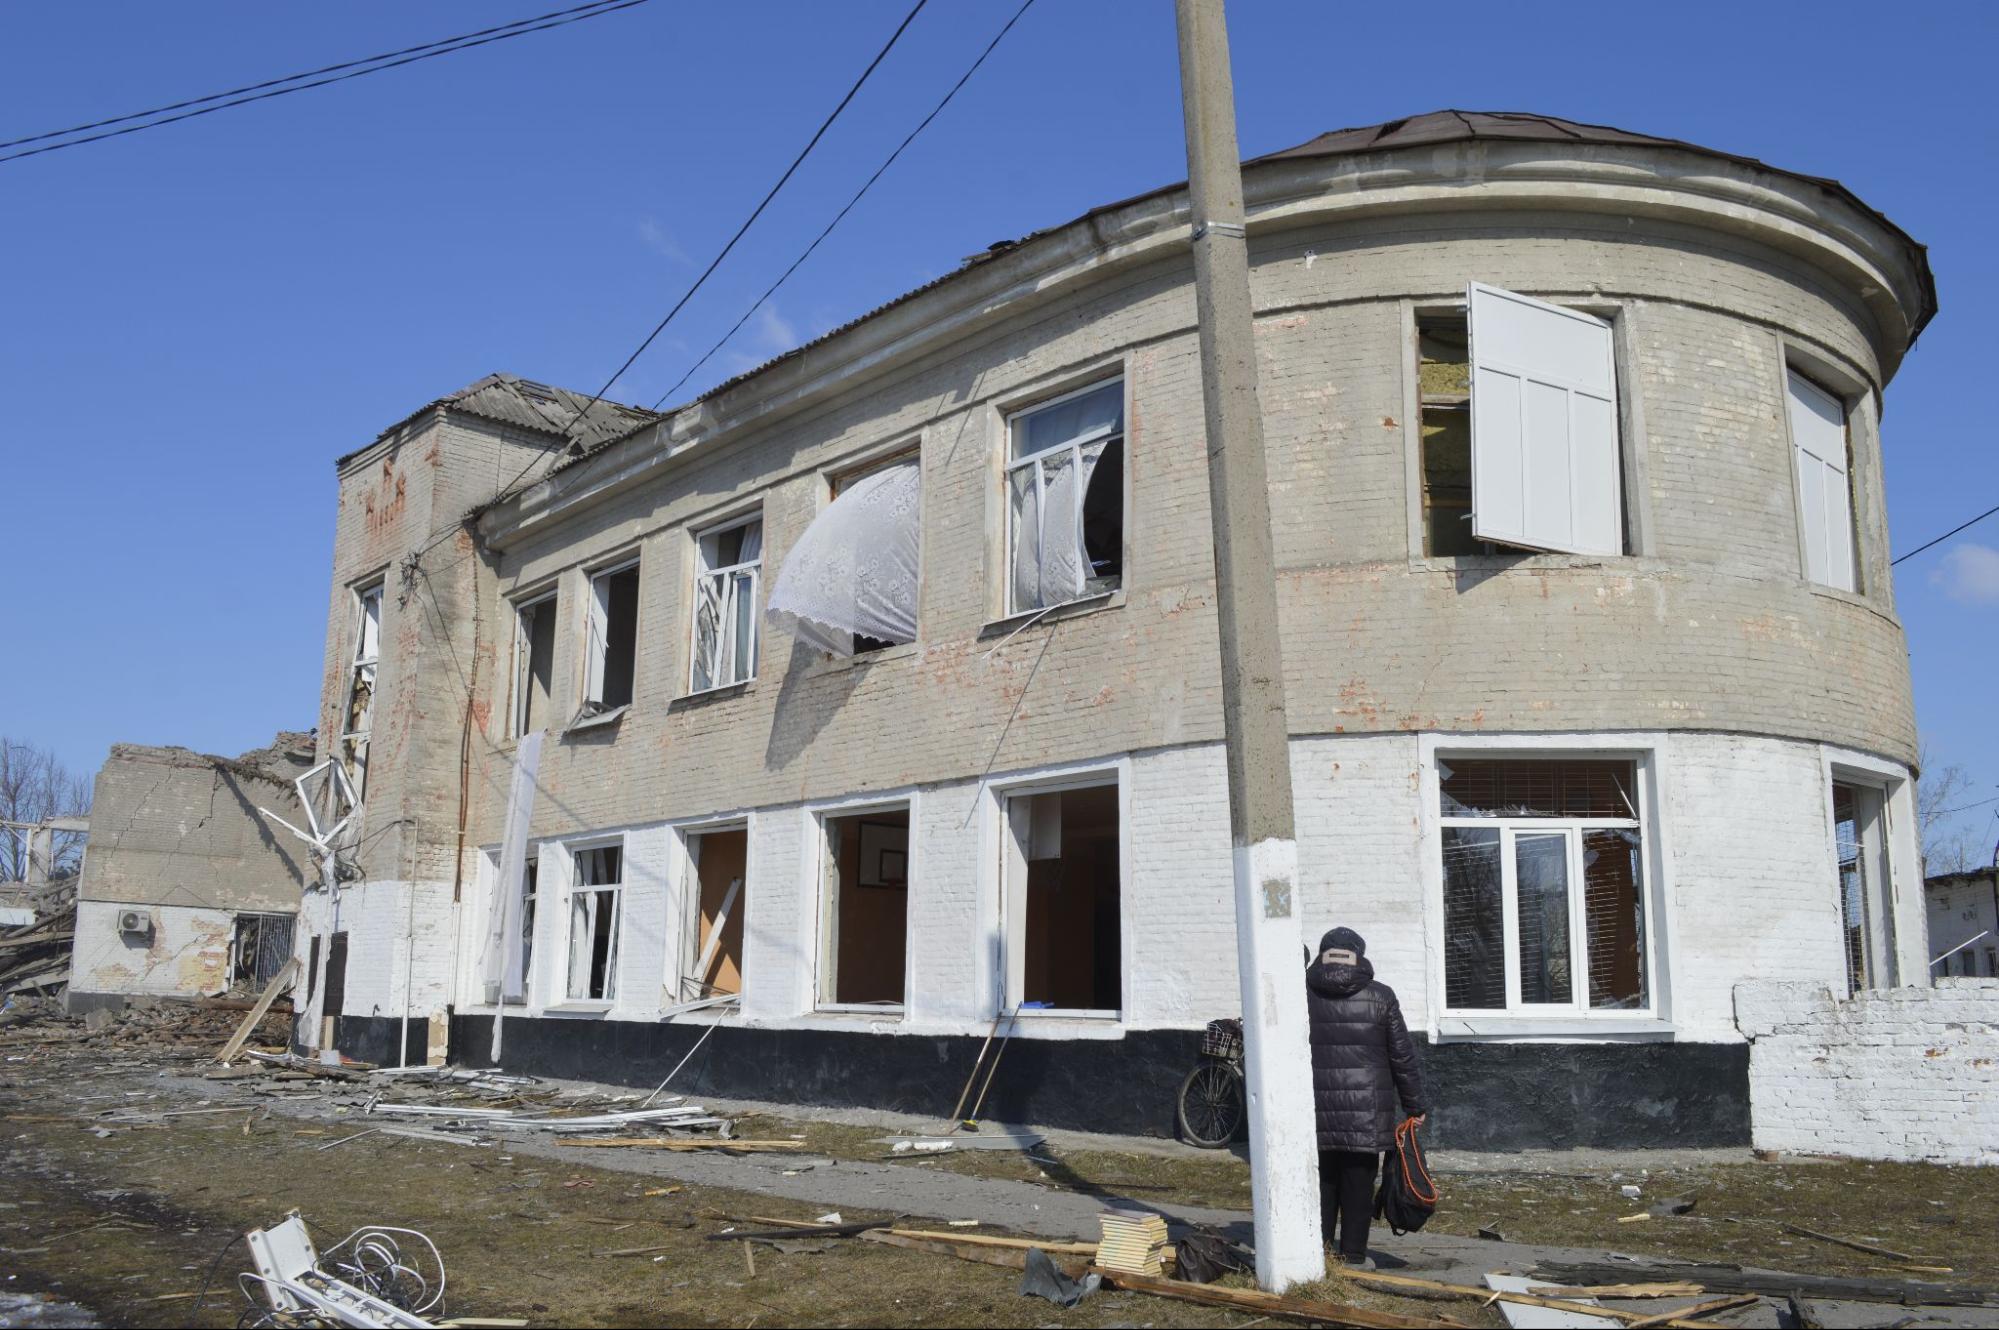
x=1064 y=920
x=728 y=576
x=1443 y=369
x=1544 y=885
x=865 y=922
x=1860 y=851
x=534 y=663
x=718 y=863
x=1065 y=498
x=594 y=906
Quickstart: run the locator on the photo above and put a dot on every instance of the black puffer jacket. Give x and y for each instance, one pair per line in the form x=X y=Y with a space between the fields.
x=1363 y=1062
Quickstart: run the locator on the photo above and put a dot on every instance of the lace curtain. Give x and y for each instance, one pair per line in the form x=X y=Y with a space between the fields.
x=853 y=572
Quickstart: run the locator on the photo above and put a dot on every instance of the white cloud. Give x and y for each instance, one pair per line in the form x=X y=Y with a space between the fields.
x=660 y=241
x=772 y=331
x=1970 y=573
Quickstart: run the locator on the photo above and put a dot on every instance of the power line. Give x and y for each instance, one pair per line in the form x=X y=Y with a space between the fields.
x=257 y=92
x=841 y=215
x=1945 y=536
x=749 y=221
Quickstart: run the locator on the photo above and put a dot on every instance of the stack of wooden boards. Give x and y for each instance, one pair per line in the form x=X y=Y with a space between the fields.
x=1134 y=1243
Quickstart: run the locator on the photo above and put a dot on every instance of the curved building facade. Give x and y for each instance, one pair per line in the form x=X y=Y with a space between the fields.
x=877 y=690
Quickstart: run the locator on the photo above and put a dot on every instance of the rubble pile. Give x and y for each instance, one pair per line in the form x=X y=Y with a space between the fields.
x=34 y=958
x=169 y=1030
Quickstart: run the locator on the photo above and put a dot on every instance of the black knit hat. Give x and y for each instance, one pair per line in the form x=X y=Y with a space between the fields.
x=1344 y=939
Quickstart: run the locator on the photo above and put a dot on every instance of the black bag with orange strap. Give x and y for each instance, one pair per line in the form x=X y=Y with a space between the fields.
x=1407 y=1197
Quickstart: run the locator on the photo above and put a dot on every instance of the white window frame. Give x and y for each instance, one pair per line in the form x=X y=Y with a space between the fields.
x=1831 y=554
x=824 y=921
x=1009 y=464
x=1012 y=883
x=1583 y=462
x=530 y=919
x=680 y=987
x=597 y=640
x=730 y=651
x=524 y=657
x=1576 y=1017
x=365 y=665
x=573 y=853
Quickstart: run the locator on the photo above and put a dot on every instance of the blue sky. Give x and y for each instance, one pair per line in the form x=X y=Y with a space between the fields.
x=196 y=320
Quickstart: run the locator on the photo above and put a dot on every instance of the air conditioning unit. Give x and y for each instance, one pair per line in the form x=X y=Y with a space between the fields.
x=135 y=922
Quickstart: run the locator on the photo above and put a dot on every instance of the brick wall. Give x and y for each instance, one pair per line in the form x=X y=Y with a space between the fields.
x=1900 y=1073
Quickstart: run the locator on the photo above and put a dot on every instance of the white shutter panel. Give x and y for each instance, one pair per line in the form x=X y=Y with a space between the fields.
x=1818 y=434
x=1544 y=461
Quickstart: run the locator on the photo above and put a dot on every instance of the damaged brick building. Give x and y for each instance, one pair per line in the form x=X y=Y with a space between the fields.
x=877 y=689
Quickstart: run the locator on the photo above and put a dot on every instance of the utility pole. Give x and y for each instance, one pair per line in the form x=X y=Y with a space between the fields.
x=1283 y=1145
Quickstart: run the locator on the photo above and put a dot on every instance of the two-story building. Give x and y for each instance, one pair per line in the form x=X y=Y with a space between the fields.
x=878 y=688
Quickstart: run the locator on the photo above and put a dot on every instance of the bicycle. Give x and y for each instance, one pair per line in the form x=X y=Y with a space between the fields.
x=1212 y=1106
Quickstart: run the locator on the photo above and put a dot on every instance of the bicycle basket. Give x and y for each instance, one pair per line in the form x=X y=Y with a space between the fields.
x=1222 y=1039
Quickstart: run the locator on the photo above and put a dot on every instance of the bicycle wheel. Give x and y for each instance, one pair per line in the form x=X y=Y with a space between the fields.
x=1211 y=1106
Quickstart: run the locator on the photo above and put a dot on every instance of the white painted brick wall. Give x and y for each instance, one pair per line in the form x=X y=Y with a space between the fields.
x=186 y=955
x=1899 y=1073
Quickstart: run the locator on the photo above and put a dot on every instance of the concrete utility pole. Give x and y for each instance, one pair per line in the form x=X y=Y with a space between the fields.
x=1283 y=1148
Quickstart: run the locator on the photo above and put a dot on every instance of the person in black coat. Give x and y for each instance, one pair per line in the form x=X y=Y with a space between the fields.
x=1364 y=1070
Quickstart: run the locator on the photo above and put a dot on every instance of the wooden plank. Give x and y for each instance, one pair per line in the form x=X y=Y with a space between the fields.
x=1853 y=1243
x=279 y=982
x=1691 y=1316
x=676 y=1143
x=1545 y=1300
x=983 y=1240
x=1271 y=1304
x=1723 y=1278
x=1006 y=1258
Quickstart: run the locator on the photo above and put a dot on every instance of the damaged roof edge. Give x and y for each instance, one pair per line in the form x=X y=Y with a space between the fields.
x=1037 y=254
x=518 y=403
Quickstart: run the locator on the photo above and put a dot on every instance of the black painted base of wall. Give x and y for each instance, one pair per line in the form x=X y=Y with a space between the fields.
x=373 y=1039
x=1486 y=1096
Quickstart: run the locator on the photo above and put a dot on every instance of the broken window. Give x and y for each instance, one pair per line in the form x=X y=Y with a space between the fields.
x=719 y=865
x=1519 y=429
x=357 y=720
x=611 y=658
x=865 y=930
x=1064 y=926
x=1820 y=444
x=534 y=663
x=1859 y=841
x=260 y=946
x=531 y=884
x=1065 y=499
x=849 y=584
x=730 y=567
x=593 y=923
x=1544 y=885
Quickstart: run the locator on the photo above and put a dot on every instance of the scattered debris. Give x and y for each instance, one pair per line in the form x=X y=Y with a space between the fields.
x=1041 y=1278
x=1134 y=1242
x=368 y=1284
x=1724 y=1278
x=1870 y=1248
x=1678 y=1205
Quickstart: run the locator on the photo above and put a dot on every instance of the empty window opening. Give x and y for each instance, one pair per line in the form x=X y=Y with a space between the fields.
x=720 y=866
x=1859 y=840
x=260 y=946
x=530 y=897
x=534 y=664
x=333 y=1006
x=1065 y=499
x=312 y=968
x=866 y=930
x=1823 y=449
x=593 y=923
x=357 y=720
x=727 y=577
x=612 y=659
x=1064 y=919
x=1444 y=376
x=1544 y=885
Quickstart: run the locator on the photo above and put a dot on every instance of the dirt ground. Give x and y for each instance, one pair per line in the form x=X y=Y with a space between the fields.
x=130 y=1222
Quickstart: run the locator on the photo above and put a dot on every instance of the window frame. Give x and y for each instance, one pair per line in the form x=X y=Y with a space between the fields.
x=573 y=852
x=524 y=655
x=728 y=572
x=597 y=642
x=686 y=953
x=836 y=480
x=824 y=904
x=353 y=744
x=1010 y=909
x=1809 y=373
x=1576 y=1017
x=530 y=916
x=1011 y=413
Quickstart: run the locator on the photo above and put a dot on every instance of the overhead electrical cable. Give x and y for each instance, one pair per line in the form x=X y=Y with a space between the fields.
x=1962 y=526
x=353 y=69
x=841 y=215
x=749 y=221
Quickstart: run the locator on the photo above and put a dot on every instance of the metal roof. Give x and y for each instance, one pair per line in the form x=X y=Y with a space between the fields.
x=508 y=399
x=1427 y=130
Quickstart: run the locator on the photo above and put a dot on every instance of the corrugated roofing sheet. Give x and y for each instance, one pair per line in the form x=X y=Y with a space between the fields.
x=508 y=399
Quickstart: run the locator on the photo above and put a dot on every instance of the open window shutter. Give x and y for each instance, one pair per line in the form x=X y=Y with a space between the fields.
x=1544 y=460
x=1818 y=435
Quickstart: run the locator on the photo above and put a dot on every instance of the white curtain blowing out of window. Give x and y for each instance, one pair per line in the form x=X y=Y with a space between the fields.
x=1543 y=426
x=854 y=571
